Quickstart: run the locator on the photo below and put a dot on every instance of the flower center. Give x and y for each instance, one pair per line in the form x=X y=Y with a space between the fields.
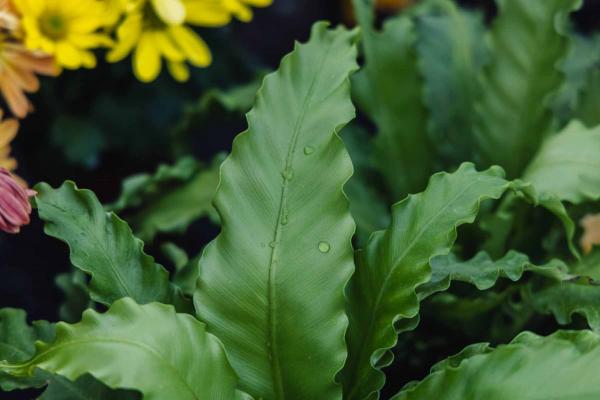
x=53 y=26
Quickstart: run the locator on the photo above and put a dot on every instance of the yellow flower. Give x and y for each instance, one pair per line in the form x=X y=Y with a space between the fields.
x=18 y=66
x=241 y=8
x=157 y=29
x=113 y=12
x=67 y=29
x=8 y=131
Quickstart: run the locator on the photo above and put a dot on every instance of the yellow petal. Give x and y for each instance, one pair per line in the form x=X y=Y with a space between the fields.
x=208 y=14
x=146 y=59
x=242 y=12
x=9 y=164
x=179 y=71
x=88 y=59
x=8 y=131
x=170 y=11
x=128 y=35
x=192 y=45
x=30 y=7
x=90 y=40
x=167 y=47
x=68 y=56
x=259 y=3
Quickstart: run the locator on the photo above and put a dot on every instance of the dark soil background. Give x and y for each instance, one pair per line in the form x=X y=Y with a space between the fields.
x=138 y=120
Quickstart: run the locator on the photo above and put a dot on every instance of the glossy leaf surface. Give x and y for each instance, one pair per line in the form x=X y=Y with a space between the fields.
x=102 y=245
x=560 y=366
x=396 y=261
x=150 y=348
x=284 y=254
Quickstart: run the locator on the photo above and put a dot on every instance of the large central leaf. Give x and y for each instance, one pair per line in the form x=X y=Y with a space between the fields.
x=271 y=285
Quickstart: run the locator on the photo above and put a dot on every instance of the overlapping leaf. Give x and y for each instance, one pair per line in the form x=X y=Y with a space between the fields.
x=560 y=366
x=483 y=272
x=451 y=53
x=368 y=208
x=580 y=66
x=284 y=254
x=389 y=89
x=528 y=41
x=147 y=201
x=103 y=246
x=568 y=165
x=577 y=296
x=76 y=295
x=17 y=344
x=149 y=348
x=396 y=261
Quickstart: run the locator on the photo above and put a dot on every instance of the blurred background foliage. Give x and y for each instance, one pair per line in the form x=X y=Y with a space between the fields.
x=97 y=127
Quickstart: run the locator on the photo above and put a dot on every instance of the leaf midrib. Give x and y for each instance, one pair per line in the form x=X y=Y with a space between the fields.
x=273 y=350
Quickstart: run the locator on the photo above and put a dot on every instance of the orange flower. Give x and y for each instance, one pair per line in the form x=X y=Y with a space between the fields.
x=591 y=232
x=8 y=131
x=8 y=16
x=392 y=5
x=18 y=67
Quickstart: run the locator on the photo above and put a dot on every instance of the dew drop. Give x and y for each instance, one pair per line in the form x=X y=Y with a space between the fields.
x=284 y=219
x=272 y=244
x=324 y=247
x=288 y=173
x=309 y=150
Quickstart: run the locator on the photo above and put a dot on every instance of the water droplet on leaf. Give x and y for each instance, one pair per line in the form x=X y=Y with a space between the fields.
x=309 y=150
x=272 y=244
x=324 y=247
x=288 y=173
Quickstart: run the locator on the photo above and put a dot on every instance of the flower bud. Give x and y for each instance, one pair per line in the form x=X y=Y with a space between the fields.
x=14 y=203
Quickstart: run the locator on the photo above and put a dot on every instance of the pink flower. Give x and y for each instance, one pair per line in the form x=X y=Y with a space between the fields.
x=14 y=203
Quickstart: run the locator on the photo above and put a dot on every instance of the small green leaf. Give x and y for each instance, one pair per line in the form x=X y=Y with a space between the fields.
x=85 y=387
x=381 y=294
x=568 y=165
x=528 y=40
x=576 y=296
x=369 y=210
x=284 y=254
x=582 y=62
x=483 y=272
x=186 y=269
x=16 y=345
x=77 y=295
x=560 y=366
x=149 y=348
x=103 y=246
x=589 y=102
x=147 y=201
